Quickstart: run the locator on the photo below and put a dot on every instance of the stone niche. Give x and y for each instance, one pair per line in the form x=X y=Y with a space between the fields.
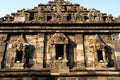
x=99 y=51
x=56 y=47
x=25 y=51
x=56 y=52
x=15 y=52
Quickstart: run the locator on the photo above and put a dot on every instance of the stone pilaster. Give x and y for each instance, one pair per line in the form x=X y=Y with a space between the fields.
x=3 y=37
x=65 y=54
x=80 y=61
x=54 y=52
x=40 y=50
x=117 y=53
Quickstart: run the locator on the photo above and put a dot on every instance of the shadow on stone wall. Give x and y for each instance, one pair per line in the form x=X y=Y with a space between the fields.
x=70 y=53
x=3 y=63
x=29 y=53
x=109 y=52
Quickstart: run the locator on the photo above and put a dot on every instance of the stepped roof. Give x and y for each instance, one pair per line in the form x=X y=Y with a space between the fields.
x=59 y=11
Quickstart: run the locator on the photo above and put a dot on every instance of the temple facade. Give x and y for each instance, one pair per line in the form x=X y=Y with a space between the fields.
x=59 y=41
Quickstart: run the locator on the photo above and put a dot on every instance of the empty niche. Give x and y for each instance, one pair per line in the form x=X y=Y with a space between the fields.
x=19 y=55
x=59 y=51
x=49 y=18
x=100 y=55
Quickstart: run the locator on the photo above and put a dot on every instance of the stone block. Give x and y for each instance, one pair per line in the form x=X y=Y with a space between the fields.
x=80 y=64
x=38 y=66
x=59 y=67
x=39 y=59
x=18 y=66
x=79 y=46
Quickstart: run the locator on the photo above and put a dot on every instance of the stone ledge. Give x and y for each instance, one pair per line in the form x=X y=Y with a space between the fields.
x=38 y=73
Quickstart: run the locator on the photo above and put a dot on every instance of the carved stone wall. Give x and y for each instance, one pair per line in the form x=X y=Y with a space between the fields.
x=59 y=41
x=3 y=38
x=80 y=55
x=59 y=12
x=40 y=50
x=30 y=47
x=52 y=40
x=89 y=56
x=95 y=43
x=116 y=49
x=71 y=51
x=79 y=51
x=37 y=40
x=16 y=43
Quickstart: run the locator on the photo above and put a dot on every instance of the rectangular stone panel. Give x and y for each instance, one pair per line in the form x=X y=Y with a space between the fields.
x=117 y=46
x=19 y=19
x=80 y=61
x=39 y=50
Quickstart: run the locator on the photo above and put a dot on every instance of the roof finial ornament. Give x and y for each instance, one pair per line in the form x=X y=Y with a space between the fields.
x=59 y=0
x=58 y=5
x=59 y=10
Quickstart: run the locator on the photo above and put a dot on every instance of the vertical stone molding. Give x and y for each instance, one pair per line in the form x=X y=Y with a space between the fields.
x=80 y=56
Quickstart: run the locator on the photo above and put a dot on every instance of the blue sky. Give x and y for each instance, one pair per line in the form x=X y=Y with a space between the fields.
x=106 y=6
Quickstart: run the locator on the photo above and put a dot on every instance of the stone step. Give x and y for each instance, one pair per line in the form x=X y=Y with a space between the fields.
x=101 y=65
x=18 y=64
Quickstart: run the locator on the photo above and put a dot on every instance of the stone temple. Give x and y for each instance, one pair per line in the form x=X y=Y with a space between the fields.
x=59 y=41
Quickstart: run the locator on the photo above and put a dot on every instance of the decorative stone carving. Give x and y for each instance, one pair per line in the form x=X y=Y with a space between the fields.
x=91 y=17
x=117 y=19
x=16 y=43
x=96 y=43
x=99 y=17
x=58 y=11
x=79 y=18
x=59 y=38
x=3 y=37
x=39 y=16
x=109 y=18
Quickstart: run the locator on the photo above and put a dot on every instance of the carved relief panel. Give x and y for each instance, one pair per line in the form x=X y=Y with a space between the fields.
x=98 y=52
x=57 y=52
x=15 y=52
x=56 y=47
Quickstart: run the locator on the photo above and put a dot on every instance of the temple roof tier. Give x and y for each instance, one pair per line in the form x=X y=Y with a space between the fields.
x=59 y=11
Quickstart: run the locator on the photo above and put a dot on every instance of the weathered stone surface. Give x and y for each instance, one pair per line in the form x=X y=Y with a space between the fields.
x=70 y=41
x=80 y=57
x=59 y=12
x=59 y=66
